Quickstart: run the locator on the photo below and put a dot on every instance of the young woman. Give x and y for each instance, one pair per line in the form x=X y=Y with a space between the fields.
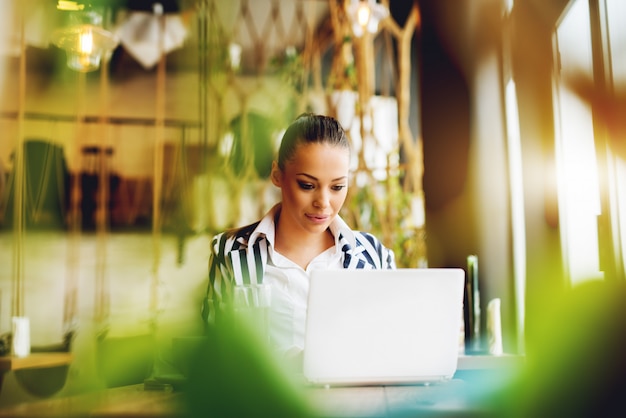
x=300 y=234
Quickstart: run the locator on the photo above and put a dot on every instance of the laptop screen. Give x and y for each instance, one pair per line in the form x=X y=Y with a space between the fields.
x=383 y=326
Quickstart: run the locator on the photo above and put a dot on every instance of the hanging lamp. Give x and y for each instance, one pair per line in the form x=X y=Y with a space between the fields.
x=365 y=15
x=85 y=41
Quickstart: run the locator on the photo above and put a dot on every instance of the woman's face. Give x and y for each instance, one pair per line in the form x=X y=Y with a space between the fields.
x=314 y=185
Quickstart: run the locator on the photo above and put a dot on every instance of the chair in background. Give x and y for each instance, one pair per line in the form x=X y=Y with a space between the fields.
x=46 y=187
x=96 y=169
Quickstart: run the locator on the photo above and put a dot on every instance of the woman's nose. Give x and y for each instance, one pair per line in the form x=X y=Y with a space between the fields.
x=322 y=199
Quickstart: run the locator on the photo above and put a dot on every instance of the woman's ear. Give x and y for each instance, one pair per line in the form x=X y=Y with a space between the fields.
x=276 y=174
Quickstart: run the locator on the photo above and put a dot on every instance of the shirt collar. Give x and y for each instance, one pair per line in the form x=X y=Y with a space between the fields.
x=266 y=227
x=340 y=228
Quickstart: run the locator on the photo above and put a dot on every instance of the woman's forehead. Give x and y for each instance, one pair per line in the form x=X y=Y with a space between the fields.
x=321 y=156
x=306 y=149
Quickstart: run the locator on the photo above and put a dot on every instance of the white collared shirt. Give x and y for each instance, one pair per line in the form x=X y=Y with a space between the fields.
x=290 y=287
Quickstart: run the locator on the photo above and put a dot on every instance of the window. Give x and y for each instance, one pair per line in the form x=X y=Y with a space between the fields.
x=591 y=179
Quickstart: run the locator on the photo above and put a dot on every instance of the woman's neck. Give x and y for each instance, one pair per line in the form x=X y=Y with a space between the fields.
x=300 y=248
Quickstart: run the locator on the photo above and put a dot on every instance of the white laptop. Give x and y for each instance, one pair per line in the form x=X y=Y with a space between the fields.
x=383 y=327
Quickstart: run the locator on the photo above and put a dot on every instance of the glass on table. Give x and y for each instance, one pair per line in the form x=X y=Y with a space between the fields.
x=251 y=307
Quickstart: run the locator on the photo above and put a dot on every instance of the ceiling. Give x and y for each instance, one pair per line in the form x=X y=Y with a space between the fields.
x=263 y=29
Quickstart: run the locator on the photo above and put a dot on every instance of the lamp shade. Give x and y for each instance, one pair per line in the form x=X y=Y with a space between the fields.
x=147 y=37
x=85 y=45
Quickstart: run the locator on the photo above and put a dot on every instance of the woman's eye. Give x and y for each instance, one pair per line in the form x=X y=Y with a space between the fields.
x=338 y=187
x=305 y=186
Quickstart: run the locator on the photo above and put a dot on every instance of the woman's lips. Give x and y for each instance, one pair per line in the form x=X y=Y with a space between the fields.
x=317 y=218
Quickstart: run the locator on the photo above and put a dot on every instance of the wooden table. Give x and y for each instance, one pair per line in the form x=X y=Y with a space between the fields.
x=449 y=399
x=457 y=397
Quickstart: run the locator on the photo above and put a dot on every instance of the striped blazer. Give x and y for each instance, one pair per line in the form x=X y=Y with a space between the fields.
x=239 y=257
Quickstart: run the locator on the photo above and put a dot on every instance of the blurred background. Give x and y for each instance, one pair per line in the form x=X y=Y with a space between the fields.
x=131 y=131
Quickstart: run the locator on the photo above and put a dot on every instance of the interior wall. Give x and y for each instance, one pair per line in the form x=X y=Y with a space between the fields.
x=466 y=178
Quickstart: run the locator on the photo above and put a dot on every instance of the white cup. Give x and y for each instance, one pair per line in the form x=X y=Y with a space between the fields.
x=21 y=336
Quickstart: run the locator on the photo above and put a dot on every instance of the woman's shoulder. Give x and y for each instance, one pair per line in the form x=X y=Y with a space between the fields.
x=354 y=237
x=373 y=251
x=362 y=237
x=234 y=236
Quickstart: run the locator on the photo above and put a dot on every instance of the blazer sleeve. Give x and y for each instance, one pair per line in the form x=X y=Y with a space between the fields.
x=220 y=278
x=221 y=273
x=373 y=252
x=385 y=255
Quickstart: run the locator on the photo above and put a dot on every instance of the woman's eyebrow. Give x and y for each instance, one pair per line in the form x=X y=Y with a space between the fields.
x=316 y=179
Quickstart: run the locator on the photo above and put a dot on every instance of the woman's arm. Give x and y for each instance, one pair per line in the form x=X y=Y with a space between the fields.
x=220 y=277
